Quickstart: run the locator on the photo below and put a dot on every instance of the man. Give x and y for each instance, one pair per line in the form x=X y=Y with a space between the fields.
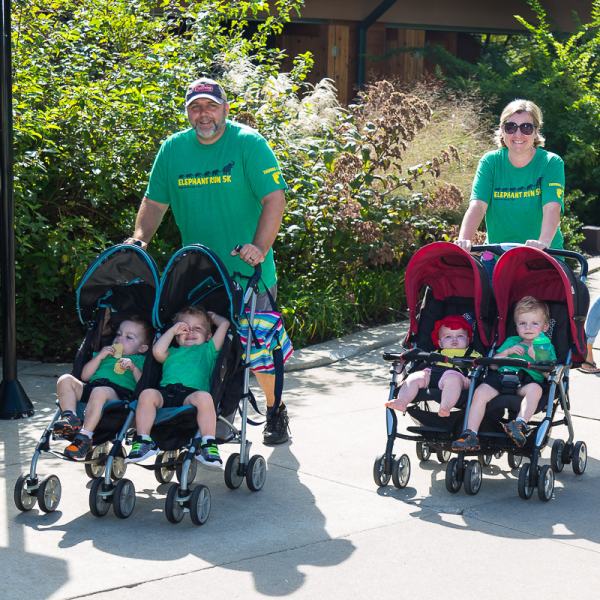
x=225 y=188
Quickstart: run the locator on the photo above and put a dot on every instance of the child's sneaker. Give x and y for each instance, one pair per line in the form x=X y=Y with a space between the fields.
x=209 y=454
x=67 y=426
x=516 y=431
x=142 y=450
x=80 y=447
x=468 y=441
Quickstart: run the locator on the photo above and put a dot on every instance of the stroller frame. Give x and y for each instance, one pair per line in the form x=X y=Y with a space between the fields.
x=181 y=498
x=47 y=490
x=532 y=475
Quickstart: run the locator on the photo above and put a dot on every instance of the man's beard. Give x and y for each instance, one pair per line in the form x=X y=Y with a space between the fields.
x=218 y=126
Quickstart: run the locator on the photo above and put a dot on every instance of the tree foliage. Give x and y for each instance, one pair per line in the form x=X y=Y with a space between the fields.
x=561 y=73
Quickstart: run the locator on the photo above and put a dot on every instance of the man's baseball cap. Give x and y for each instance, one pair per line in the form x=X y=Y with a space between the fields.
x=205 y=88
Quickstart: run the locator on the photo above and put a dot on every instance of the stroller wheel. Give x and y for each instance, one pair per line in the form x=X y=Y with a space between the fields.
x=233 y=477
x=453 y=483
x=119 y=466
x=556 y=458
x=473 y=477
x=256 y=473
x=174 y=510
x=165 y=474
x=514 y=461
x=124 y=498
x=98 y=454
x=579 y=458
x=200 y=505
x=546 y=483
x=401 y=471
x=443 y=456
x=192 y=469
x=49 y=493
x=525 y=485
x=423 y=451
x=379 y=474
x=99 y=505
x=485 y=459
x=24 y=500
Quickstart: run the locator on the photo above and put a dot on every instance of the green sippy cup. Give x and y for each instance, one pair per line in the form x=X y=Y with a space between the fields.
x=541 y=347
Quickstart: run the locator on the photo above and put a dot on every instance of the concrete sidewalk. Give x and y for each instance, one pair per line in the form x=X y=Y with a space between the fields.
x=320 y=526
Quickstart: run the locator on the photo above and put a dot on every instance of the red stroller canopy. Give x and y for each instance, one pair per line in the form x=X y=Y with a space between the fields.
x=525 y=271
x=449 y=271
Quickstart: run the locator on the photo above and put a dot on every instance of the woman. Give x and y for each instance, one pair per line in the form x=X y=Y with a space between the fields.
x=518 y=188
x=592 y=326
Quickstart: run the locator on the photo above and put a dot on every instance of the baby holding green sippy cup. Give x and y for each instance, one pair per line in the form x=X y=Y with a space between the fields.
x=532 y=320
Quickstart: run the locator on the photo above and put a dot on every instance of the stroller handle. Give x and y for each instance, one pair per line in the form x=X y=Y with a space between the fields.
x=519 y=363
x=500 y=249
x=257 y=271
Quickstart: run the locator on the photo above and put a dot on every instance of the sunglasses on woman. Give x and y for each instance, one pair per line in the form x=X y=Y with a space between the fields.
x=526 y=128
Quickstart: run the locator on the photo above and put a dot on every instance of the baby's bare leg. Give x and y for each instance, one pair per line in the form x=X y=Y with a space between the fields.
x=93 y=411
x=483 y=394
x=409 y=390
x=69 y=391
x=207 y=417
x=531 y=393
x=145 y=413
x=451 y=386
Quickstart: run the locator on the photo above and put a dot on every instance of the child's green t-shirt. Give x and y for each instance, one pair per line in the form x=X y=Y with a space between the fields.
x=191 y=366
x=106 y=370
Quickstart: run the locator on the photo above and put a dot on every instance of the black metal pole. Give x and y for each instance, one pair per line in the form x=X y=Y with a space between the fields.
x=14 y=403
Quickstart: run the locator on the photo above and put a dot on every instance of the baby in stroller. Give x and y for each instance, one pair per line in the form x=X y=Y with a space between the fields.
x=187 y=370
x=452 y=335
x=532 y=321
x=110 y=375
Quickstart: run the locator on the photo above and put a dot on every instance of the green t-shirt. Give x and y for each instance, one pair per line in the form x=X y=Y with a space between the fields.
x=515 y=196
x=215 y=190
x=192 y=366
x=106 y=370
x=512 y=341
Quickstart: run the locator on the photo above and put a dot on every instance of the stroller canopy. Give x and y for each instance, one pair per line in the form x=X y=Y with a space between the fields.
x=123 y=278
x=450 y=271
x=525 y=271
x=196 y=275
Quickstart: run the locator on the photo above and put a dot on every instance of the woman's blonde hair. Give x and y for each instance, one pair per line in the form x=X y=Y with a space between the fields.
x=518 y=106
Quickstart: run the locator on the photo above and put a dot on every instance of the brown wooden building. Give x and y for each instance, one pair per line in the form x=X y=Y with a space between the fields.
x=339 y=33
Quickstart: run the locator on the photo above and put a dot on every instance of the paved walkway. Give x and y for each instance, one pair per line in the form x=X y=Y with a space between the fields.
x=320 y=527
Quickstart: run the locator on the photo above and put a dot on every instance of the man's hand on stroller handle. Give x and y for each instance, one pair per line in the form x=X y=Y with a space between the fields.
x=249 y=253
x=132 y=241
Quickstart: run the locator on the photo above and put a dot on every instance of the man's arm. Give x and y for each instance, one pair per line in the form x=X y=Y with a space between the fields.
x=550 y=221
x=148 y=219
x=266 y=231
x=471 y=222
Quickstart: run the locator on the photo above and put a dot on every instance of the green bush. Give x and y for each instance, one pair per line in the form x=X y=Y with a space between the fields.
x=97 y=87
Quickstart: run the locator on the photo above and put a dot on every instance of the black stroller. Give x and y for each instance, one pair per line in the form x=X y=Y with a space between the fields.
x=121 y=282
x=441 y=279
x=195 y=275
x=522 y=271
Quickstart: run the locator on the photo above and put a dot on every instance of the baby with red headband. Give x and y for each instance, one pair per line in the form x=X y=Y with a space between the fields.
x=452 y=336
